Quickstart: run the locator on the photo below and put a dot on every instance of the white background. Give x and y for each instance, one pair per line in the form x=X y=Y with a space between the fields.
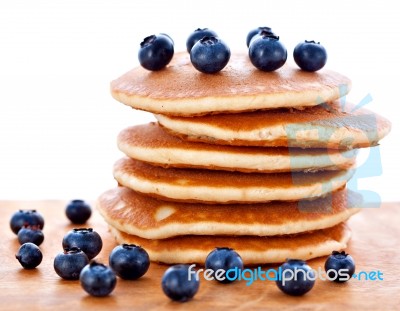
x=58 y=122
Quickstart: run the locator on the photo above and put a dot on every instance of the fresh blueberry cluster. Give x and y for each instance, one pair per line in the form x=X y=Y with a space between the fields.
x=267 y=53
x=178 y=286
x=339 y=268
x=80 y=246
x=28 y=225
x=209 y=54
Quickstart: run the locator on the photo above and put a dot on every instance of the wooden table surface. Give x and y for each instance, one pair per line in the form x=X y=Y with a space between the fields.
x=375 y=246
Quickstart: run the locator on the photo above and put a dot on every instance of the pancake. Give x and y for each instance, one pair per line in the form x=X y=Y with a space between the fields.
x=150 y=143
x=195 y=185
x=181 y=90
x=331 y=125
x=133 y=213
x=253 y=250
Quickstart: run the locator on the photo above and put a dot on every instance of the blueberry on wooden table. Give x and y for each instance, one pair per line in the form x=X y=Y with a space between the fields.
x=88 y=240
x=78 y=211
x=340 y=266
x=223 y=259
x=129 y=261
x=69 y=264
x=97 y=279
x=29 y=255
x=297 y=277
x=26 y=218
x=178 y=285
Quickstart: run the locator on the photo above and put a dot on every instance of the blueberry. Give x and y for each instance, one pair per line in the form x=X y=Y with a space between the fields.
x=340 y=266
x=87 y=240
x=297 y=278
x=78 y=211
x=223 y=259
x=97 y=279
x=176 y=284
x=129 y=261
x=197 y=35
x=267 y=53
x=257 y=31
x=31 y=234
x=210 y=55
x=26 y=217
x=156 y=52
x=69 y=264
x=29 y=256
x=310 y=55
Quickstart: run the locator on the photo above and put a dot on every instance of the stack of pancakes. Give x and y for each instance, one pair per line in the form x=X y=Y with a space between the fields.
x=245 y=159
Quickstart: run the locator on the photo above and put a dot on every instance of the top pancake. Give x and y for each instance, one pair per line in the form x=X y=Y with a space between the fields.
x=181 y=90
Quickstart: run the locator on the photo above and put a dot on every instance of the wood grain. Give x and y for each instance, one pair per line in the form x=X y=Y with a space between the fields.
x=375 y=246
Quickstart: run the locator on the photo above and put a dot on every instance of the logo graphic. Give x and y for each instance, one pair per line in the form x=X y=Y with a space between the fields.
x=327 y=133
x=258 y=274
